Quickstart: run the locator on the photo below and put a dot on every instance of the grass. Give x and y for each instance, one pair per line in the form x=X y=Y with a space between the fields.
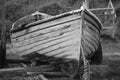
x=109 y=70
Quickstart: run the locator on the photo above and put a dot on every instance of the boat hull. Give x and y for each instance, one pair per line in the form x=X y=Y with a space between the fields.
x=60 y=36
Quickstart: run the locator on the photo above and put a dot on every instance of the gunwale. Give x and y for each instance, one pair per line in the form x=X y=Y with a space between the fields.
x=56 y=17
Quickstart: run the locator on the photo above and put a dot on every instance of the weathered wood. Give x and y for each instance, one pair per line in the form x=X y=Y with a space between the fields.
x=52 y=74
x=25 y=70
x=45 y=48
x=53 y=35
x=46 y=25
x=104 y=28
x=33 y=38
x=57 y=36
x=41 y=40
x=102 y=70
x=55 y=30
x=94 y=18
x=101 y=9
x=47 y=20
x=25 y=61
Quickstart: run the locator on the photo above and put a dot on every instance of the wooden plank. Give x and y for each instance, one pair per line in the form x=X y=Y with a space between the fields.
x=90 y=27
x=59 y=50
x=47 y=32
x=92 y=20
x=103 y=69
x=44 y=42
x=46 y=25
x=101 y=9
x=25 y=61
x=40 y=47
x=91 y=44
x=44 y=31
x=24 y=70
x=108 y=14
x=71 y=54
x=28 y=47
x=107 y=28
x=92 y=36
x=94 y=17
x=115 y=28
x=86 y=49
x=19 y=49
x=41 y=36
x=89 y=47
x=56 y=44
x=68 y=46
x=52 y=74
x=89 y=38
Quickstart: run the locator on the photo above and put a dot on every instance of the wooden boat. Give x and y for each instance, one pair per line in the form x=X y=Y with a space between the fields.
x=66 y=36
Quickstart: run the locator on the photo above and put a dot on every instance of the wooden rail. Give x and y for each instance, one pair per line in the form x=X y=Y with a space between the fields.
x=107 y=28
x=25 y=71
x=101 y=9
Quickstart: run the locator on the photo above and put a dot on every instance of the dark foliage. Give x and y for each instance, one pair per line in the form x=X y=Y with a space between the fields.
x=16 y=9
x=53 y=9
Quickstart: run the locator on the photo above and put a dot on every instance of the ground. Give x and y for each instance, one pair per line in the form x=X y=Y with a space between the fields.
x=108 y=70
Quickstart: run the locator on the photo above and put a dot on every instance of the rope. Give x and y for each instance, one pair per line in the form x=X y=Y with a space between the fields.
x=86 y=66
